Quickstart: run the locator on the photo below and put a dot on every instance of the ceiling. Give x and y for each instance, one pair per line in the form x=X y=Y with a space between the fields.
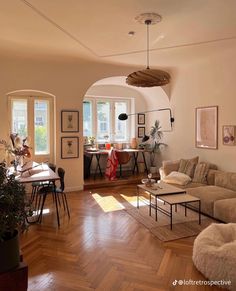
x=99 y=29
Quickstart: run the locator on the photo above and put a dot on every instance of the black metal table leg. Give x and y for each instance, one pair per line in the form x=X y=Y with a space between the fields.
x=171 y=217
x=135 y=155
x=58 y=219
x=145 y=163
x=150 y=204
x=90 y=163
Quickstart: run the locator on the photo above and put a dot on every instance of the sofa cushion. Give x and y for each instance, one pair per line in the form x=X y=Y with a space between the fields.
x=211 y=176
x=188 y=166
x=170 y=166
x=226 y=180
x=208 y=195
x=177 y=178
x=225 y=210
x=200 y=174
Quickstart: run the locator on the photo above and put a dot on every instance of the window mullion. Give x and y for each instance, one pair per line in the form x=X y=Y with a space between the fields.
x=30 y=117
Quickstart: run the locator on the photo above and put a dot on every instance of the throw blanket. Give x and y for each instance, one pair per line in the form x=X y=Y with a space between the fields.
x=112 y=164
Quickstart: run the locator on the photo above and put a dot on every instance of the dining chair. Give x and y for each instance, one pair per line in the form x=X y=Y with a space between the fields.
x=123 y=158
x=57 y=192
x=36 y=185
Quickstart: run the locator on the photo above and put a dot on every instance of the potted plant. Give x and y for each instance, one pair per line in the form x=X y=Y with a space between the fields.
x=13 y=213
x=155 y=135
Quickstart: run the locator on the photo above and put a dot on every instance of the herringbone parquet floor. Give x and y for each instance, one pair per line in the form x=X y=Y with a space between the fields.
x=103 y=248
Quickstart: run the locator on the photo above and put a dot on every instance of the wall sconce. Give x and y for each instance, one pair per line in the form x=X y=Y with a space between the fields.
x=124 y=116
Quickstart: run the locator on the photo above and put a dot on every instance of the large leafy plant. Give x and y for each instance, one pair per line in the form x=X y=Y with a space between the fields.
x=156 y=135
x=13 y=206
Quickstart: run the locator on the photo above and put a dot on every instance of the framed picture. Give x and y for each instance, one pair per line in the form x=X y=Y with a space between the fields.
x=141 y=118
x=206 y=131
x=228 y=134
x=69 y=121
x=69 y=147
x=141 y=131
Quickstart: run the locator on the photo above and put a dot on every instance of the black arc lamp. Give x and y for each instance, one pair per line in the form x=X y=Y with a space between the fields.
x=145 y=138
x=125 y=116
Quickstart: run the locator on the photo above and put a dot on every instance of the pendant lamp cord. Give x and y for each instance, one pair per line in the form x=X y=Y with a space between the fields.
x=148 y=22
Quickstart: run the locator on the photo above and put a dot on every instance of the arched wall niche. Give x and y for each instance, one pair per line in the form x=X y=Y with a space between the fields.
x=145 y=98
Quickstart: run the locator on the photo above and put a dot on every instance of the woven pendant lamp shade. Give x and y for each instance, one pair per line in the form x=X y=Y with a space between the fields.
x=148 y=78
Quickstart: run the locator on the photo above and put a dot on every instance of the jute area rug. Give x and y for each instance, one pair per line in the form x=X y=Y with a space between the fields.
x=183 y=226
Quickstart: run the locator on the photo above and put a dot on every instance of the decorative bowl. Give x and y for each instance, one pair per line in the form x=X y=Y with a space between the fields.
x=148 y=182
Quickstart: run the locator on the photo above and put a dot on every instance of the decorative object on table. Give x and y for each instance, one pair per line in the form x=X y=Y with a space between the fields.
x=69 y=147
x=91 y=140
x=13 y=213
x=17 y=150
x=206 y=132
x=155 y=135
x=69 y=121
x=107 y=146
x=149 y=182
x=141 y=118
x=133 y=143
x=141 y=131
x=229 y=134
x=148 y=77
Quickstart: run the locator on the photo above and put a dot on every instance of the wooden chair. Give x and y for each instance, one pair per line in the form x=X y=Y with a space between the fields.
x=123 y=158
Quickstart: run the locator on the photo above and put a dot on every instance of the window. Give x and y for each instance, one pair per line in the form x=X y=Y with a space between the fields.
x=100 y=119
x=33 y=117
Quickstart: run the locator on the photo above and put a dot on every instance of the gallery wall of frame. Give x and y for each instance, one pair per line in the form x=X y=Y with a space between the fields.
x=141 y=121
x=69 y=124
x=206 y=129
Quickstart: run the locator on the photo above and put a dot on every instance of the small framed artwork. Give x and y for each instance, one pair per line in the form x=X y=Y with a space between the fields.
x=141 y=131
x=141 y=118
x=69 y=147
x=206 y=131
x=69 y=121
x=229 y=134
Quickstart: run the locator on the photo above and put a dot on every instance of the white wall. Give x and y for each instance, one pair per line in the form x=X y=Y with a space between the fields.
x=210 y=81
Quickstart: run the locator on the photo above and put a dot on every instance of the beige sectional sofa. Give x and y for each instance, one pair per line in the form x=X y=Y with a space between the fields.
x=217 y=194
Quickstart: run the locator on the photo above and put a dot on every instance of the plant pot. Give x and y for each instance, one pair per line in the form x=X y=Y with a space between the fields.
x=153 y=170
x=9 y=253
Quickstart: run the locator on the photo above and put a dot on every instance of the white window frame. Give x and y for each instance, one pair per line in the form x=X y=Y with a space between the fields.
x=50 y=156
x=94 y=100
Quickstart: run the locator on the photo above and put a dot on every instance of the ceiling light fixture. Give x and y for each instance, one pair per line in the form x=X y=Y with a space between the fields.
x=148 y=77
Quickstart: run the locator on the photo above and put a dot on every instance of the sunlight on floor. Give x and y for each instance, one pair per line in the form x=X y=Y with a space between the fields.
x=133 y=200
x=45 y=211
x=107 y=203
